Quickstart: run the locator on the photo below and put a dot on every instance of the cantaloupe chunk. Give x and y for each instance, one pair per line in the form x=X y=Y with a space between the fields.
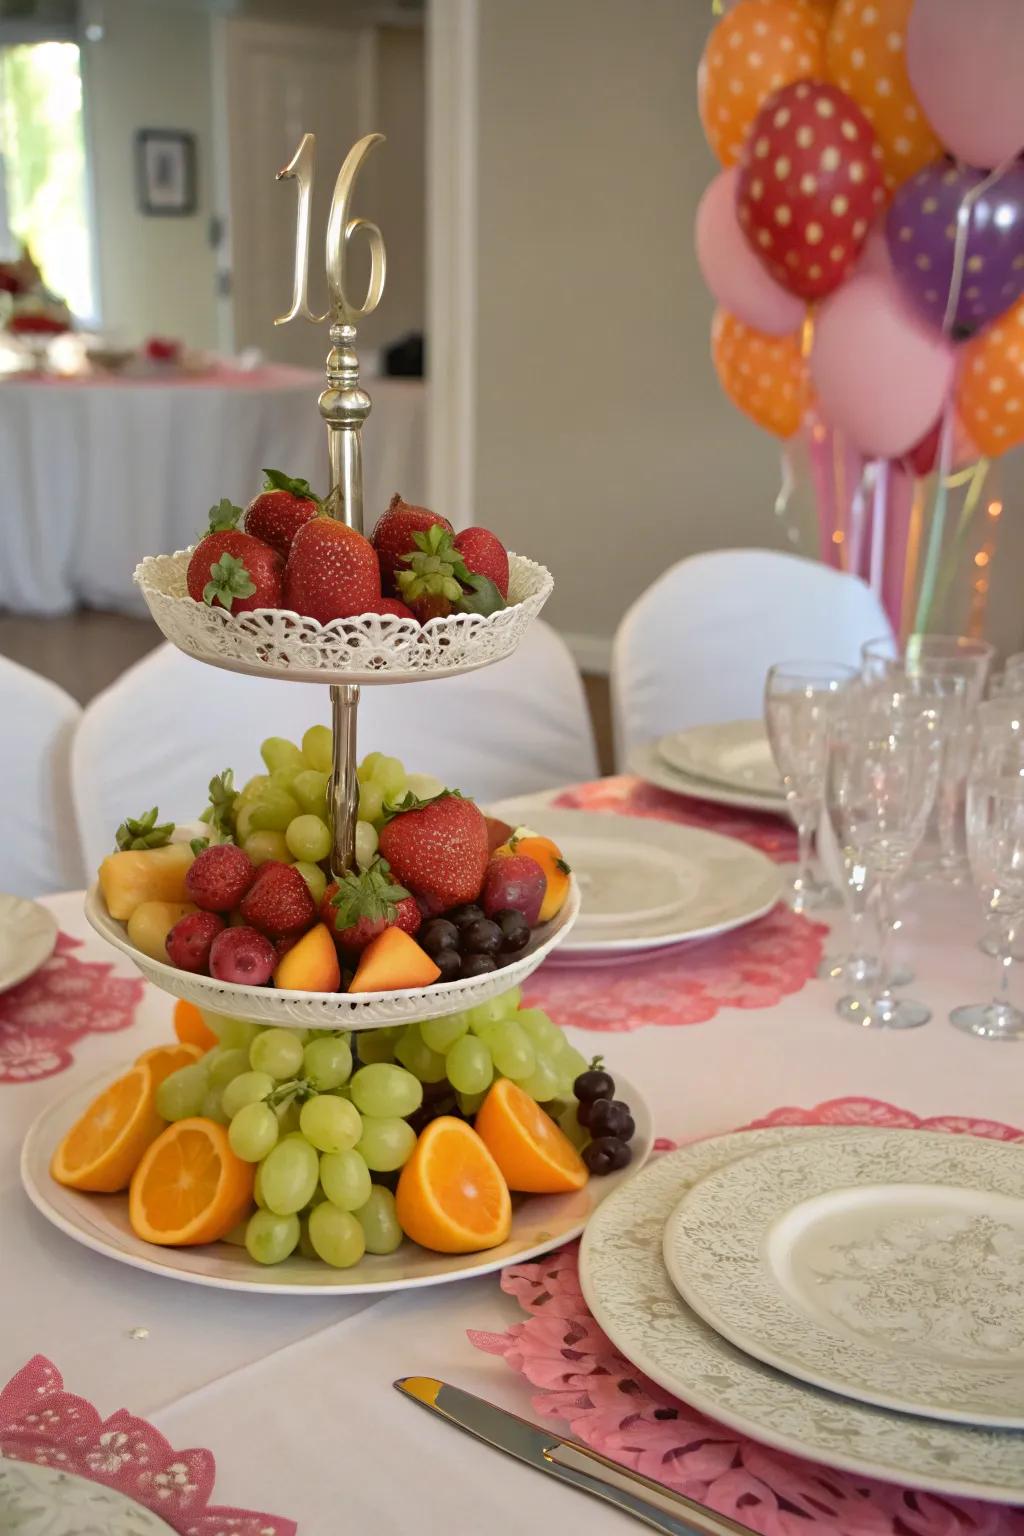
x=129 y=878
x=152 y=921
x=311 y=965
x=393 y=960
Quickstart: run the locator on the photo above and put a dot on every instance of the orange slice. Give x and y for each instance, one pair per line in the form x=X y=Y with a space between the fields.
x=189 y=1187
x=191 y=1028
x=451 y=1196
x=103 y=1148
x=534 y=1155
x=162 y=1060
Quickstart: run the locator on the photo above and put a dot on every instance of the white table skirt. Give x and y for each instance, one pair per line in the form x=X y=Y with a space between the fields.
x=294 y=1395
x=97 y=475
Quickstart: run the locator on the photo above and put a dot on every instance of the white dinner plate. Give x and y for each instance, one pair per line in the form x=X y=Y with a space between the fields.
x=646 y=762
x=42 y=1500
x=628 y=1289
x=647 y=884
x=28 y=936
x=100 y=1222
x=734 y=755
x=887 y=1267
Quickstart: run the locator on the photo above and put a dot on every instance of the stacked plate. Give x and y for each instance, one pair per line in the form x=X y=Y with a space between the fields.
x=731 y=764
x=853 y=1296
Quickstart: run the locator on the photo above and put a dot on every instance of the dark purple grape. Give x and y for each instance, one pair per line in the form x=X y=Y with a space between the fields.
x=468 y=912
x=481 y=937
x=438 y=934
x=594 y=1085
x=449 y=963
x=515 y=930
x=610 y=1117
x=478 y=965
x=606 y=1154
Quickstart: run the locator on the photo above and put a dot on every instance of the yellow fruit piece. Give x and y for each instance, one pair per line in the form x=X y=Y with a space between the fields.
x=552 y=861
x=129 y=878
x=162 y=1060
x=104 y=1146
x=152 y=921
x=189 y=1187
x=311 y=965
x=535 y=1156
x=451 y=1196
x=191 y=1028
x=393 y=960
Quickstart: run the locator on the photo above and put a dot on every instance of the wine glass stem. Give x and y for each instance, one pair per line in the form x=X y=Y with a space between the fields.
x=804 y=832
x=884 y=917
x=1005 y=935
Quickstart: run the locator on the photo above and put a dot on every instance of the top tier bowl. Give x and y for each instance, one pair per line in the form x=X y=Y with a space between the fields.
x=373 y=648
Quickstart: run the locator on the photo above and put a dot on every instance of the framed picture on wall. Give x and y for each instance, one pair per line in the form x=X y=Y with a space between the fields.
x=165 y=171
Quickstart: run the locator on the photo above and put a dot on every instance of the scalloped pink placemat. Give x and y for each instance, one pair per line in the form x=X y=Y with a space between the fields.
x=626 y=795
x=581 y=1379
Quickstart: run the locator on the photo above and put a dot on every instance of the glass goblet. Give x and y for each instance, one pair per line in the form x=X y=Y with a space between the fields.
x=995 y=845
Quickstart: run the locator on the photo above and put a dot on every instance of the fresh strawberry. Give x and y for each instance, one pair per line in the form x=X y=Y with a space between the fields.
x=220 y=877
x=437 y=580
x=280 y=509
x=438 y=848
x=332 y=572
x=484 y=554
x=235 y=571
x=365 y=902
x=393 y=536
x=278 y=902
x=393 y=606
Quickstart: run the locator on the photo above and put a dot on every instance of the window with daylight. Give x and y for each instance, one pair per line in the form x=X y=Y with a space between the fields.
x=43 y=198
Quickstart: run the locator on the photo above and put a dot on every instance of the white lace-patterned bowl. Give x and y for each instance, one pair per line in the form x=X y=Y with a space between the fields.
x=334 y=1010
x=374 y=648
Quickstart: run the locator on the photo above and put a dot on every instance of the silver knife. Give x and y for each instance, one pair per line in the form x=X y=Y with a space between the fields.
x=570 y=1462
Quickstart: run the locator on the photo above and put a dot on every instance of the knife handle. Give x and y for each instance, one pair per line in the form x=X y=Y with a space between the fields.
x=654 y=1504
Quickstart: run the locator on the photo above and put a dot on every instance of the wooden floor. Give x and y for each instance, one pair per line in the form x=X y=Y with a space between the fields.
x=84 y=652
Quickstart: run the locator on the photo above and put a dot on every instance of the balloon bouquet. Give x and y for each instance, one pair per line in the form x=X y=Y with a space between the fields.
x=865 y=244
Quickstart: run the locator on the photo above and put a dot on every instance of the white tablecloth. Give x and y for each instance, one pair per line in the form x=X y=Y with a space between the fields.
x=98 y=474
x=294 y=1395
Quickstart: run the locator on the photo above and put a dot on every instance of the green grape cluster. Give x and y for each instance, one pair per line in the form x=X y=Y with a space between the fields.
x=384 y=784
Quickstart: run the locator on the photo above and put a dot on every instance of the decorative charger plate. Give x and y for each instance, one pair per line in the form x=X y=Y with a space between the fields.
x=736 y=755
x=43 y=1500
x=628 y=1289
x=647 y=763
x=334 y=1010
x=28 y=935
x=100 y=1222
x=887 y=1267
x=373 y=648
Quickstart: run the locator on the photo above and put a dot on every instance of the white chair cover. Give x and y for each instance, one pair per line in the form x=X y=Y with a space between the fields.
x=695 y=647
x=39 y=850
x=158 y=734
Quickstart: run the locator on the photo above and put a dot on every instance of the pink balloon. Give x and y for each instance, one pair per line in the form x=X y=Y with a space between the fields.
x=965 y=59
x=732 y=271
x=880 y=373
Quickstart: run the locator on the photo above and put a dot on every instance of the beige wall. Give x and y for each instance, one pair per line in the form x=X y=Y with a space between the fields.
x=396 y=199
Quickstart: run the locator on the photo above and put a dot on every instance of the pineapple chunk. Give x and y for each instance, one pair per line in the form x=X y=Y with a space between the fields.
x=152 y=874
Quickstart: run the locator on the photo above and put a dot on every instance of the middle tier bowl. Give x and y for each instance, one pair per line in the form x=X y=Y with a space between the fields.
x=335 y=1010
x=373 y=648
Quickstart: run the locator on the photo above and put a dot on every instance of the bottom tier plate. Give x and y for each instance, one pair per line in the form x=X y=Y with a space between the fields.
x=100 y=1222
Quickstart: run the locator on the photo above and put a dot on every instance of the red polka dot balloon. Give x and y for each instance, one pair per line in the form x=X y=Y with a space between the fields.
x=810 y=185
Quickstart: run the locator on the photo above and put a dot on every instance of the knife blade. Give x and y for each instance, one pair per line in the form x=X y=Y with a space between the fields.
x=570 y=1462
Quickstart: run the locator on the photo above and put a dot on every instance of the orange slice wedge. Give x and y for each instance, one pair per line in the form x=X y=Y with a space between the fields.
x=534 y=1155
x=451 y=1196
x=189 y=1187
x=103 y=1148
x=191 y=1028
x=162 y=1060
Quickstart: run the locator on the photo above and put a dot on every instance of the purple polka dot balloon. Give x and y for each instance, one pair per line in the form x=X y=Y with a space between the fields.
x=921 y=231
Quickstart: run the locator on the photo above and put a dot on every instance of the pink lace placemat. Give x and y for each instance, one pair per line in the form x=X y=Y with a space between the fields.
x=43 y=1017
x=580 y=1379
x=626 y=795
x=42 y=1422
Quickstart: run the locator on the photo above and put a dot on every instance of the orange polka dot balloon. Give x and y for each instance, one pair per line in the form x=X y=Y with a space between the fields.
x=765 y=376
x=809 y=186
x=755 y=49
x=865 y=54
x=990 y=391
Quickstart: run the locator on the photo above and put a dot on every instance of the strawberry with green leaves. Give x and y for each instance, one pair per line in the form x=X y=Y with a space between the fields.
x=233 y=570
x=437 y=582
x=438 y=849
x=393 y=537
x=364 y=902
x=280 y=509
x=139 y=832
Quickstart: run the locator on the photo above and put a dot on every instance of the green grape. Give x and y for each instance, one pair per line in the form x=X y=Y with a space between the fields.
x=577 y=1134
x=469 y=1103
x=345 y=1179
x=246 y=1088
x=371 y=802
x=487 y=1013
x=287 y=1113
x=305 y=1246
x=244 y=828
x=253 y=788
x=366 y=843
x=253 y=1132
x=270 y=1238
x=570 y=1062
x=382 y=1089
x=512 y=999
x=222 y=1064
x=276 y=752
x=367 y=769
x=277 y=1051
x=236 y=1237
x=276 y=809
x=379 y=1221
x=422 y=1062
x=290 y=1174
x=327 y=1062
x=330 y=1124
x=308 y=838
x=264 y=846
x=181 y=1093
x=284 y=778
x=233 y=1034
x=336 y=1236
x=378 y=1044
x=257 y=1189
x=210 y=1109
x=543 y=1082
x=441 y=1034
x=469 y=1065
x=386 y=1144
x=310 y=790
x=318 y=748
x=423 y=785
x=514 y=1056
x=314 y=878
x=545 y=1034
x=390 y=776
